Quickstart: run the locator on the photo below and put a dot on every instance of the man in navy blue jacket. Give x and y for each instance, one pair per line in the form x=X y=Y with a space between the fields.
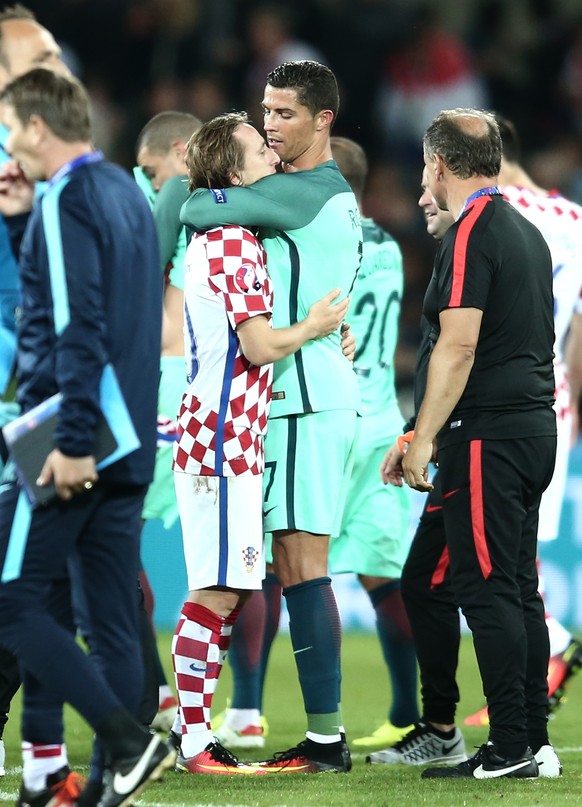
x=90 y=329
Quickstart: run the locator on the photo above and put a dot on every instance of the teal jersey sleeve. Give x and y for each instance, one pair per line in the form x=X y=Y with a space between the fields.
x=310 y=227
x=374 y=318
x=145 y=184
x=278 y=202
x=171 y=232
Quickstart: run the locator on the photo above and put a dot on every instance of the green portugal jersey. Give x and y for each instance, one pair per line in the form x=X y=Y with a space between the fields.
x=171 y=232
x=374 y=316
x=309 y=224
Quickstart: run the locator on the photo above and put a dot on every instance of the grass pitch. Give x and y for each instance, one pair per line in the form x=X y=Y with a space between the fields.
x=365 y=701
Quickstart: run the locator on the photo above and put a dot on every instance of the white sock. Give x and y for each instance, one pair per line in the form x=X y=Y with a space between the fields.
x=164 y=692
x=39 y=761
x=239 y=719
x=324 y=739
x=177 y=724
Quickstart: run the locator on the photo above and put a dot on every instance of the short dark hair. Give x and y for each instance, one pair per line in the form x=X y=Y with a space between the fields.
x=213 y=153
x=510 y=142
x=61 y=101
x=160 y=131
x=352 y=162
x=467 y=140
x=15 y=12
x=315 y=84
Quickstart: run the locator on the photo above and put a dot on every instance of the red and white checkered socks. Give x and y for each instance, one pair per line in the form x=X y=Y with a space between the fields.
x=39 y=761
x=199 y=648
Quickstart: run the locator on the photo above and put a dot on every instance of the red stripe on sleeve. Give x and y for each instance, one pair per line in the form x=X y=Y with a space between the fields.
x=477 y=514
x=460 y=249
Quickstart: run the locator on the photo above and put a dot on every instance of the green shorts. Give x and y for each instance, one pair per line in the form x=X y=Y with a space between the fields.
x=309 y=460
x=160 y=501
x=375 y=532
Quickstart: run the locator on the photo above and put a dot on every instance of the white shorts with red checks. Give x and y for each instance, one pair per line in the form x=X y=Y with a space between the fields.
x=222 y=530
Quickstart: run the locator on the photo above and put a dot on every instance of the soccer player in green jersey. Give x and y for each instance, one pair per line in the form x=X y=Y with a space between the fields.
x=161 y=147
x=161 y=172
x=309 y=223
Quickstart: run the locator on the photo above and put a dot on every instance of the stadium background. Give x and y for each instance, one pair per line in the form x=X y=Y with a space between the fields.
x=398 y=62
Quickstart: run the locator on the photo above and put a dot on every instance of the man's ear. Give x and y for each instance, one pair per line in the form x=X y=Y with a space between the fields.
x=439 y=167
x=179 y=148
x=324 y=119
x=234 y=178
x=37 y=127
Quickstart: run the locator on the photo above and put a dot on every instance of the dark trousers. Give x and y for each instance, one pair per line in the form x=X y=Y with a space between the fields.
x=103 y=528
x=491 y=495
x=9 y=683
x=485 y=561
x=42 y=713
x=149 y=704
x=433 y=612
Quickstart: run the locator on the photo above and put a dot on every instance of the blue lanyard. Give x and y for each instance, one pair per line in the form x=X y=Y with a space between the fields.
x=491 y=191
x=72 y=165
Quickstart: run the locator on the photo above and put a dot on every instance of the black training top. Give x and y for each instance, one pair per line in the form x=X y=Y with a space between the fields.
x=495 y=260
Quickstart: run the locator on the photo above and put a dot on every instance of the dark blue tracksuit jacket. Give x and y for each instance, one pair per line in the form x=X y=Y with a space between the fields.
x=91 y=303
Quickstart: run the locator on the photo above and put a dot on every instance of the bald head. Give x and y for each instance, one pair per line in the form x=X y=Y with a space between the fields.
x=468 y=142
x=25 y=45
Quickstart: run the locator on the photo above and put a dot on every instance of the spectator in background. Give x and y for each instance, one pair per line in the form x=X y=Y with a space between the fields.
x=272 y=40
x=432 y=69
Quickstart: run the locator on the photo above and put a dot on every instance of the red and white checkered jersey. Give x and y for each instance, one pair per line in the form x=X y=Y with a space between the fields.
x=560 y=222
x=223 y=417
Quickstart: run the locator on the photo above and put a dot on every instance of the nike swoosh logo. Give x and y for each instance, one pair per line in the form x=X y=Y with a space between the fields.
x=432 y=508
x=446 y=749
x=480 y=773
x=266 y=512
x=207 y=668
x=303 y=649
x=126 y=784
x=451 y=493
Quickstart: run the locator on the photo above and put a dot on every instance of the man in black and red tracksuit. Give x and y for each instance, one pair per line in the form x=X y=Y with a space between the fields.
x=488 y=397
x=90 y=329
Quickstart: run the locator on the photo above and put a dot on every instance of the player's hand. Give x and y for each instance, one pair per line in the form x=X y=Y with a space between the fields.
x=348 y=342
x=16 y=192
x=415 y=465
x=71 y=475
x=325 y=316
x=391 y=467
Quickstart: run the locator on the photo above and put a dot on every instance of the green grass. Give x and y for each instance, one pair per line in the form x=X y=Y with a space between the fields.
x=366 y=698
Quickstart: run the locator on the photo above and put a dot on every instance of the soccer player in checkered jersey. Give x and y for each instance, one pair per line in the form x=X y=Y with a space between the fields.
x=560 y=222
x=230 y=346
